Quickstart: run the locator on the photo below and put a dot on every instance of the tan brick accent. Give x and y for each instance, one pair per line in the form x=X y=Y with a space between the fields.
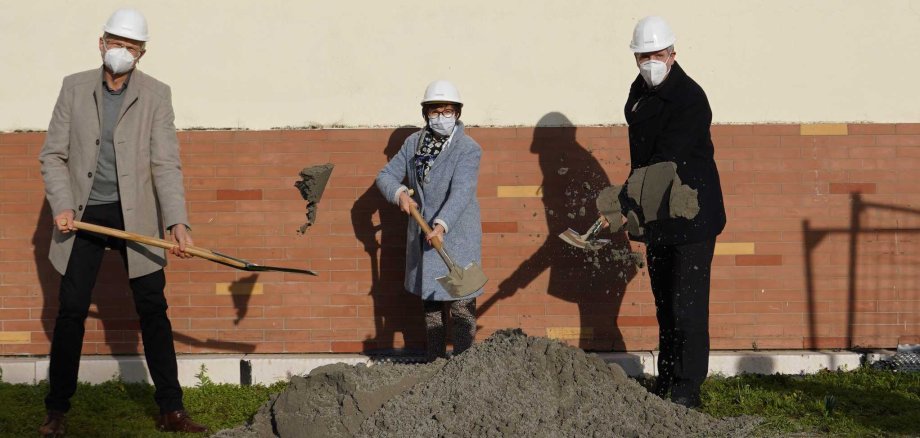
x=569 y=332
x=520 y=191
x=238 y=288
x=15 y=337
x=734 y=248
x=824 y=129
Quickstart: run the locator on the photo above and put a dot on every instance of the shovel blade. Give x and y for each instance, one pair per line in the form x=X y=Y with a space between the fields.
x=596 y=244
x=573 y=238
x=460 y=283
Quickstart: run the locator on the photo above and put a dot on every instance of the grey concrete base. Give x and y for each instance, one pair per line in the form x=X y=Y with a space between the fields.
x=270 y=368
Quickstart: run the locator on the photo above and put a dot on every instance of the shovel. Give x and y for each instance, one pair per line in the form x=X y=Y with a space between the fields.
x=207 y=254
x=459 y=282
x=587 y=240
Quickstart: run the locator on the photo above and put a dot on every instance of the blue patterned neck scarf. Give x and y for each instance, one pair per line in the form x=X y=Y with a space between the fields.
x=428 y=149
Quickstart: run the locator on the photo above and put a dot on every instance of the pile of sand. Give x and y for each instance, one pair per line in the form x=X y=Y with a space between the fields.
x=509 y=385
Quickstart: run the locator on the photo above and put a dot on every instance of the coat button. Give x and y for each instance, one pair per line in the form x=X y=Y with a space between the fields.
x=80 y=208
x=90 y=174
x=97 y=142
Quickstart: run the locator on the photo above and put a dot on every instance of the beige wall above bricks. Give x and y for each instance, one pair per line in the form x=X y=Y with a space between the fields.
x=365 y=63
x=820 y=249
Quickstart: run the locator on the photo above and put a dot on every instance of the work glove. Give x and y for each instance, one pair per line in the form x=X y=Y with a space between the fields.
x=608 y=204
x=660 y=194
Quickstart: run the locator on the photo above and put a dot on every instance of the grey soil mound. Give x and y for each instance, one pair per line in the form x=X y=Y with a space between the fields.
x=311 y=185
x=509 y=385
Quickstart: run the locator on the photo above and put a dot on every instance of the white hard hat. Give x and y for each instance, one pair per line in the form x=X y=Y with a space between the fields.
x=127 y=23
x=651 y=35
x=442 y=91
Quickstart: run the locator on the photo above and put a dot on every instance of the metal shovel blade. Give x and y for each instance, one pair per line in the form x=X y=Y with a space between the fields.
x=460 y=283
x=573 y=238
x=586 y=241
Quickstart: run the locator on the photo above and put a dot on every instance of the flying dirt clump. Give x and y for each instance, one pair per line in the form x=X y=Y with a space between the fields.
x=311 y=185
x=509 y=385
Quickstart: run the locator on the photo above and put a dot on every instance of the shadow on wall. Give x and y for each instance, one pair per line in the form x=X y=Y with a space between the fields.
x=381 y=228
x=756 y=364
x=241 y=291
x=595 y=281
x=112 y=305
x=891 y=251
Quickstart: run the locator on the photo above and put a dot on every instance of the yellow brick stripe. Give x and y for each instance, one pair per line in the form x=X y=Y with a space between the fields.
x=15 y=337
x=735 y=248
x=238 y=288
x=824 y=129
x=520 y=191
x=570 y=332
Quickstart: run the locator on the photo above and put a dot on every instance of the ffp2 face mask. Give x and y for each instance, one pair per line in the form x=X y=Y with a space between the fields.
x=119 y=60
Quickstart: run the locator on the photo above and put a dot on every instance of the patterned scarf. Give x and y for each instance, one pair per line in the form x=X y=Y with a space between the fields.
x=427 y=151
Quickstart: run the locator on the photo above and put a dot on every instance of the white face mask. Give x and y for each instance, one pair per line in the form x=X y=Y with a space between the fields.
x=119 y=60
x=654 y=71
x=442 y=125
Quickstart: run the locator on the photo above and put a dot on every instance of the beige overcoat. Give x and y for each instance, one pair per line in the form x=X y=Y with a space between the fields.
x=146 y=156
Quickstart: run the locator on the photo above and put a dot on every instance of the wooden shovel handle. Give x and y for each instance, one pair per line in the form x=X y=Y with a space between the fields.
x=159 y=243
x=436 y=242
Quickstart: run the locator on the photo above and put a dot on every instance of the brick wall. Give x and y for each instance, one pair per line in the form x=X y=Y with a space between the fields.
x=821 y=248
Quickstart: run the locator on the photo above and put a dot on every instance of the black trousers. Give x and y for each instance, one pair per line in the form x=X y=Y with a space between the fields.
x=75 y=297
x=680 y=282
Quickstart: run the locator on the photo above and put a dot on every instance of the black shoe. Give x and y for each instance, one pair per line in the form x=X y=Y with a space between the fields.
x=54 y=426
x=691 y=401
x=662 y=387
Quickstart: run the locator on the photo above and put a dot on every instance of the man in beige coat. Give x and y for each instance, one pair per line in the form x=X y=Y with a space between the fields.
x=111 y=157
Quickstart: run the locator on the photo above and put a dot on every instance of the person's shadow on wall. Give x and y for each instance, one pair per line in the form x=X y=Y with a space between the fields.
x=595 y=280
x=381 y=228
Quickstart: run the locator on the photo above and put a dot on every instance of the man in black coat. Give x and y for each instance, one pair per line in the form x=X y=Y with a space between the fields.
x=669 y=119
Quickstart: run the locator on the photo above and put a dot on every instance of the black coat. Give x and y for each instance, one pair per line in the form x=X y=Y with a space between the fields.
x=671 y=123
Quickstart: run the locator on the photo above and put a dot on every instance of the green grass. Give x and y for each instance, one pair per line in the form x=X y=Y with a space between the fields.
x=117 y=409
x=859 y=403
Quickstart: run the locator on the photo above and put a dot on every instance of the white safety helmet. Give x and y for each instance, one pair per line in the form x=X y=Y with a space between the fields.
x=651 y=35
x=127 y=23
x=442 y=91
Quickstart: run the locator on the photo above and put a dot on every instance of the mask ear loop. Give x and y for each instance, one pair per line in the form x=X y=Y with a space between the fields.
x=671 y=52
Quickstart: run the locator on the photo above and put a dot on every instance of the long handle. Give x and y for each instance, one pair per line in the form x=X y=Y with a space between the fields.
x=436 y=243
x=159 y=243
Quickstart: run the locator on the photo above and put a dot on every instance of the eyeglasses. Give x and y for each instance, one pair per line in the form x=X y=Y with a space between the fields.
x=448 y=113
x=133 y=50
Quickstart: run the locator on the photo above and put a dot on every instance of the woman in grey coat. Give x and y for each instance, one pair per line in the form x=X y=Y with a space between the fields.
x=440 y=163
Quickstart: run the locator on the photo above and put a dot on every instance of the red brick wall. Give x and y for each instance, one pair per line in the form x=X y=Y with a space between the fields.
x=821 y=248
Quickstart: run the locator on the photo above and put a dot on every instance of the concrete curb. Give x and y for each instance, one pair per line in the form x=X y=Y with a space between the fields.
x=266 y=369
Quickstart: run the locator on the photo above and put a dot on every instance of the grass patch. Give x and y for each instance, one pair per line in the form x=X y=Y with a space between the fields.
x=860 y=403
x=118 y=409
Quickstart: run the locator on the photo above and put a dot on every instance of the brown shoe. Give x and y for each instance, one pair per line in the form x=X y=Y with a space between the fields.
x=54 y=425
x=179 y=421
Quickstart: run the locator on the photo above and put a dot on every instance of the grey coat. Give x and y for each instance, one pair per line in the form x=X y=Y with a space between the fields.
x=146 y=154
x=448 y=195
